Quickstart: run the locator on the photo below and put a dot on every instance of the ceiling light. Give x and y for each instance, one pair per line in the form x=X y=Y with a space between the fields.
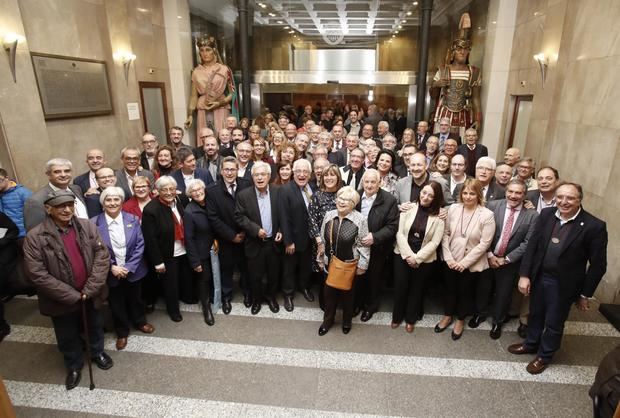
x=395 y=31
x=272 y=14
x=415 y=3
x=179 y=17
x=393 y=36
x=409 y=13
x=404 y=21
x=400 y=27
x=286 y=27
x=280 y=22
x=262 y=5
x=291 y=31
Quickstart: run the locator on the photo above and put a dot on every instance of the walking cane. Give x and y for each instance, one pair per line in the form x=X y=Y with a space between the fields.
x=90 y=363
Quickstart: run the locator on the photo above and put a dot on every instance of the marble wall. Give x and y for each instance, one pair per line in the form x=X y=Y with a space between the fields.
x=574 y=126
x=93 y=29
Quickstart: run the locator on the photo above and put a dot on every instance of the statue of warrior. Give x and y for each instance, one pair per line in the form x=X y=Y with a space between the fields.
x=212 y=89
x=456 y=86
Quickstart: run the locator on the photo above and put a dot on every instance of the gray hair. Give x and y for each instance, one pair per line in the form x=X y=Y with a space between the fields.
x=57 y=161
x=383 y=123
x=486 y=161
x=124 y=150
x=349 y=193
x=111 y=191
x=300 y=162
x=193 y=184
x=260 y=165
x=164 y=181
x=371 y=172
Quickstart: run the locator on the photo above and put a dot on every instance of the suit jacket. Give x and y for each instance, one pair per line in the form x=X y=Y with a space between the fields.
x=433 y=235
x=293 y=217
x=401 y=170
x=226 y=152
x=473 y=253
x=34 y=210
x=221 y=209
x=403 y=188
x=494 y=192
x=93 y=207
x=480 y=151
x=83 y=181
x=337 y=158
x=248 y=172
x=144 y=162
x=450 y=136
x=134 y=246
x=521 y=230
x=198 y=234
x=248 y=217
x=158 y=231
x=421 y=143
x=382 y=220
x=356 y=180
x=583 y=257
x=199 y=173
x=121 y=180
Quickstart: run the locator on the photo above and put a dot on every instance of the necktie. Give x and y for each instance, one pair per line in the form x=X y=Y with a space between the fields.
x=231 y=190
x=308 y=195
x=506 y=232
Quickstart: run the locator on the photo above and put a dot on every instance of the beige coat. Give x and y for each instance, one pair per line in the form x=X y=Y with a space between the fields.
x=471 y=253
x=432 y=237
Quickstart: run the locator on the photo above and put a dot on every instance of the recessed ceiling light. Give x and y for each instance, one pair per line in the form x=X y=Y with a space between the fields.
x=409 y=13
x=393 y=36
x=395 y=31
x=262 y=5
x=404 y=21
x=280 y=22
x=291 y=31
x=286 y=27
x=400 y=27
x=415 y=3
x=272 y=14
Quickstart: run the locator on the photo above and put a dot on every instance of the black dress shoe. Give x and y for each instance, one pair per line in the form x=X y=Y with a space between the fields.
x=475 y=321
x=456 y=336
x=103 y=361
x=176 y=317
x=496 y=331
x=366 y=316
x=73 y=379
x=208 y=315
x=438 y=329
x=247 y=301
x=323 y=330
x=256 y=308
x=308 y=295
x=273 y=305
x=226 y=306
x=346 y=329
x=522 y=330
x=288 y=303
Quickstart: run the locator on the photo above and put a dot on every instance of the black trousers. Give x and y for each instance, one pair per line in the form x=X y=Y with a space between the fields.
x=126 y=305
x=232 y=256
x=265 y=264
x=175 y=278
x=484 y=290
x=67 y=329
x=368 y=286
x=331 y=297
x=151 y=287
x=297 y=270
x=204 y=283
x=409 y=284
x=505 y=278
x=460 y=292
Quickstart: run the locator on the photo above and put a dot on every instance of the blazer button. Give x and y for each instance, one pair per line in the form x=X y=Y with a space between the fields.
x=466 y=249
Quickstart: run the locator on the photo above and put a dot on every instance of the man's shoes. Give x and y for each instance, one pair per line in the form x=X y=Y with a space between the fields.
x=522 y=330
x=73 y=379
x=409 y=328
x=394 y=325
x=247 y=301
x=256 y=308
x=323 y=330
x=121 y=343
x=147 y=328
x=475 y=321
x=496 y=331
x=346 y=329
x=207 y=313
x=176 y=317
x=226 y=306
x=520 y=348
x=439 y=329
x=288 y=303
x=308 y=295
x=273 y=305
x=150 y=308
x=4 y=331
x=366 y=316
x=103 y=361
x=536 y=366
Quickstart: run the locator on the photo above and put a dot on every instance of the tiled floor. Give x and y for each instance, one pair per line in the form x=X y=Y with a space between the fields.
x=277 y=365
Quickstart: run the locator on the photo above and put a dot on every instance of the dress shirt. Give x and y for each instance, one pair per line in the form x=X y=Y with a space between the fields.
x=542 y=204
x=116 y=229
x=337 y=145
x=92 y=180
x=306 y=193
x=514 y=222
x=187 y=178
x=80 y=208
x=150 y=160
x=367 y=202
x=454 y=183
x=562 y=221
x=179 y=247
x=264 y=207
x=241 y=171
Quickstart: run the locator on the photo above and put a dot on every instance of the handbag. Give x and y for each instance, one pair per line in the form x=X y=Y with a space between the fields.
x=340 y=274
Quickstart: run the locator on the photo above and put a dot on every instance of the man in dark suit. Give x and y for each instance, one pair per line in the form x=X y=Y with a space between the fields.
x=294 y=199
x=514 y=227
x=444 y=133
x=226 y=145
x=187 y=171
x=95 y=159
x=380 y=208
x=422 y=134
x=244 y=157
x=485 y=174
x=147 y=156
x=548 y=179
x=257 y=213
x=564 y=263
x=472 y=151
x=58 y=171
x=221 y=211
x=105 y=178
x=130 y=158
x=352 y=173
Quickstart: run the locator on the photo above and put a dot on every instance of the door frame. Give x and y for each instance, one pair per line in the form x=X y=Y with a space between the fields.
x=515 y=116
x=162 y=86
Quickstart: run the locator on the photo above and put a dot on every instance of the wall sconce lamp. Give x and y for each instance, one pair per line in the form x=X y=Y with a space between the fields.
x=543 y=63
x=126 y=58
x=9 y=43
x=371 y=95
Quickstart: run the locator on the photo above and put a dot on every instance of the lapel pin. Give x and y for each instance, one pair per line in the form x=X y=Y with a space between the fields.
x=581 y=224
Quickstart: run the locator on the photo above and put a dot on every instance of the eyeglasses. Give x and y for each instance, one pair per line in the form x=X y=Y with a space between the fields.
x=487 y=169
x=131 y=158
x=149 y=142
x=105 y=177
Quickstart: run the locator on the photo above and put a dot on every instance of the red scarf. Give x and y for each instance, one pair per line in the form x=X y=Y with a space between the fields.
x=179 y=234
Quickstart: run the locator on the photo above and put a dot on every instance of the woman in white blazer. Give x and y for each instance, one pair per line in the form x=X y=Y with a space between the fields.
x=467 y=237
x=420 y=232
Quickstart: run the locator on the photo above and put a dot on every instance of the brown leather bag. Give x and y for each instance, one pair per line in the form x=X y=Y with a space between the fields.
x=340 y=274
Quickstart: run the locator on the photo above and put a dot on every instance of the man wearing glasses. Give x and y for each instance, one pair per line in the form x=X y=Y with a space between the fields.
x=472 y=151
x=130 y=158
x=444 y=133
x=147 y=157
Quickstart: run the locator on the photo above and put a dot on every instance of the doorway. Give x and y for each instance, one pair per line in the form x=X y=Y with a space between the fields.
x=520 y=122
x=154 y=109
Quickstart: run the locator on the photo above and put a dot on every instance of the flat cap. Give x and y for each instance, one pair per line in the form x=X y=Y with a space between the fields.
x=58 y=197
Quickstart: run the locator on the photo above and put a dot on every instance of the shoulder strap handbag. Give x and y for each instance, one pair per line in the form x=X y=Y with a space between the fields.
x=340 y=274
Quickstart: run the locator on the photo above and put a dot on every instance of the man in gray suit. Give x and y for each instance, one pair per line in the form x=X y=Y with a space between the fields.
x=515 y=225
x=408 y=188
x=130 y=157
x=59 y=172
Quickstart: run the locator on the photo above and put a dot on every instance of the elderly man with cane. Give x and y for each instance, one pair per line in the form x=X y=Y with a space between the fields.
x=68 y=263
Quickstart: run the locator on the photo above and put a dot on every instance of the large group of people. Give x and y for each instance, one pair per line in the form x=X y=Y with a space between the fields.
x=282 y=199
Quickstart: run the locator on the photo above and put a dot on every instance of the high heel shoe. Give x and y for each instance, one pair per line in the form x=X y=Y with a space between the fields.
x=439 y=329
